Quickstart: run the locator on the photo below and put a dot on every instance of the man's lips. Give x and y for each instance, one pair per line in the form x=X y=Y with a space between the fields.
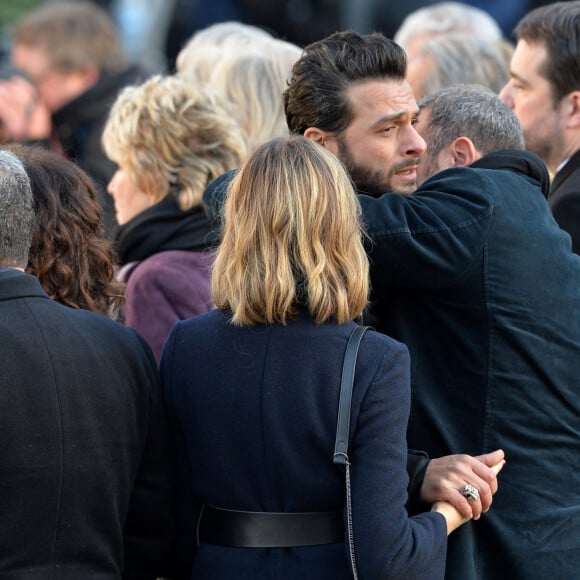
x=409 y=172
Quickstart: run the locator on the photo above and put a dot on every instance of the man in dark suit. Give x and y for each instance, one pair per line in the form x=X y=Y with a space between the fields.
x=86 y=482
x=544 y=92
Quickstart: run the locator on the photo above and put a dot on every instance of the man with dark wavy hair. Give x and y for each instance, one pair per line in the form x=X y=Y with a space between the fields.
x=360 y=108
x=86 y=474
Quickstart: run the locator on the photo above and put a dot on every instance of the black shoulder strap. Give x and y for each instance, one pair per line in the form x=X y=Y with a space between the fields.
x=346 y=385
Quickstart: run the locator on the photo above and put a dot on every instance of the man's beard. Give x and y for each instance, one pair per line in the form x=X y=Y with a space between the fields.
x=367 y=180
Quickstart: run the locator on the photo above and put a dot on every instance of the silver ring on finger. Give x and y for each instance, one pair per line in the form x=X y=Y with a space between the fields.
x=469 y=492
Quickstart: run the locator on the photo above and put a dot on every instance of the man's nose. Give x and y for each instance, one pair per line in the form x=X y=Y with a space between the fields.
x=506 y=95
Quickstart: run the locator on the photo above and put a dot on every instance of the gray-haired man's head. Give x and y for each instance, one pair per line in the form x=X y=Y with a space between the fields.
x=465 y=111
x=16 y=212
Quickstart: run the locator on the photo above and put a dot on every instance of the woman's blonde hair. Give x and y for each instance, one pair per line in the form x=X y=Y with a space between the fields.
x=254 y=82
x=291 y=238
x=206 y=47
x=249 y=69
x=171 y=136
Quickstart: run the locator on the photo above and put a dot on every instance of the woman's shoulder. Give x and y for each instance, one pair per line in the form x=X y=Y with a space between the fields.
x=379 y=344
x=169 y=270
x=173 y=260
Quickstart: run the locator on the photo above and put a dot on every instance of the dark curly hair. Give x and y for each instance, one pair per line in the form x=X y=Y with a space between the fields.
x=69 y=254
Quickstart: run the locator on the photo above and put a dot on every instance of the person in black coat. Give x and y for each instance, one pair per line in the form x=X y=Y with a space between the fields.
x=252 y=389
x=564 y=199
x=86 y=474
x=480 y=283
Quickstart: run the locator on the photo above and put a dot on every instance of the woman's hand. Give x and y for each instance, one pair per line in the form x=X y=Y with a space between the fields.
x=453 y=518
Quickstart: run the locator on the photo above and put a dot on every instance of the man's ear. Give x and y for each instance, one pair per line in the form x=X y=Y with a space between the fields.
x=463 y=152
x=324 y=138
x=573 y=110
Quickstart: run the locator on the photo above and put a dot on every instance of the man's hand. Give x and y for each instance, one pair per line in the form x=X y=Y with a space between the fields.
x=23 y=116
x=446 y=476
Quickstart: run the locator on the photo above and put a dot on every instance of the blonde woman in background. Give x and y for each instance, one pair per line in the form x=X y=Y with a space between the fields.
x=249 y=68
x=169 y=139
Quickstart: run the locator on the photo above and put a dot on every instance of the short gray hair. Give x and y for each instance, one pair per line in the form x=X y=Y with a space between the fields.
x=16 y=212
x=463 y=59
x=445 y=18
x=471 y=111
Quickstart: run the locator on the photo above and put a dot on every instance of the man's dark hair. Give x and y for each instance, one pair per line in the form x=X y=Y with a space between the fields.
x=558 y=27
x=316 y=94
x=472 y=111
x=16 y=212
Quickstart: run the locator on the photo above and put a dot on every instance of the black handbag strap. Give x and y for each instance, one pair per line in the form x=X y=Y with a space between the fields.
x=346 y=386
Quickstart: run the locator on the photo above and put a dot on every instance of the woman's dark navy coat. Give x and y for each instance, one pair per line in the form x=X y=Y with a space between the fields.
x=257 y=410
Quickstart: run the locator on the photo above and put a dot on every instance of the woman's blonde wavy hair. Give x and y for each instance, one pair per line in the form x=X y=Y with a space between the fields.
x=291 y=238
x=171 y=136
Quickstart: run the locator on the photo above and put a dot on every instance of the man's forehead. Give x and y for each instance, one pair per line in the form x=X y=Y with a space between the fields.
x=381 y=97
x=528 y=57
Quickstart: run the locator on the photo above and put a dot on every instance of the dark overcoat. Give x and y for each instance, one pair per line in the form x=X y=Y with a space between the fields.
x=474 y=275
x=256 y=411
x=85 y=477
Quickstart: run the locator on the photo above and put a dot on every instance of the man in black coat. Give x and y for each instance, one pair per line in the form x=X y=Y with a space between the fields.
x=488 y=301
x=544 y=93
x=349 y=93
x=85 y=477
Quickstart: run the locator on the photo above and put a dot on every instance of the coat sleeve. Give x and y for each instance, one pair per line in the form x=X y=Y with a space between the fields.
x=429 y=238
x=149 y=525
x=388 y=543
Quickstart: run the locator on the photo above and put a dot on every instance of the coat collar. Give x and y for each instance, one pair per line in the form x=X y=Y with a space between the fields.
x=569 y=169
x=17 y=284
x=522 y=162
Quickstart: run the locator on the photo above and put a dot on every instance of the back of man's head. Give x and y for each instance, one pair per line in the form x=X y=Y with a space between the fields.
x=16 y=212
x=471 y=111
x=557 y=26
x=74 y=35
x=316 y=94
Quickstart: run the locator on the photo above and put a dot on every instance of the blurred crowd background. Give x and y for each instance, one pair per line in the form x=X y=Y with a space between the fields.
x=154 y=31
